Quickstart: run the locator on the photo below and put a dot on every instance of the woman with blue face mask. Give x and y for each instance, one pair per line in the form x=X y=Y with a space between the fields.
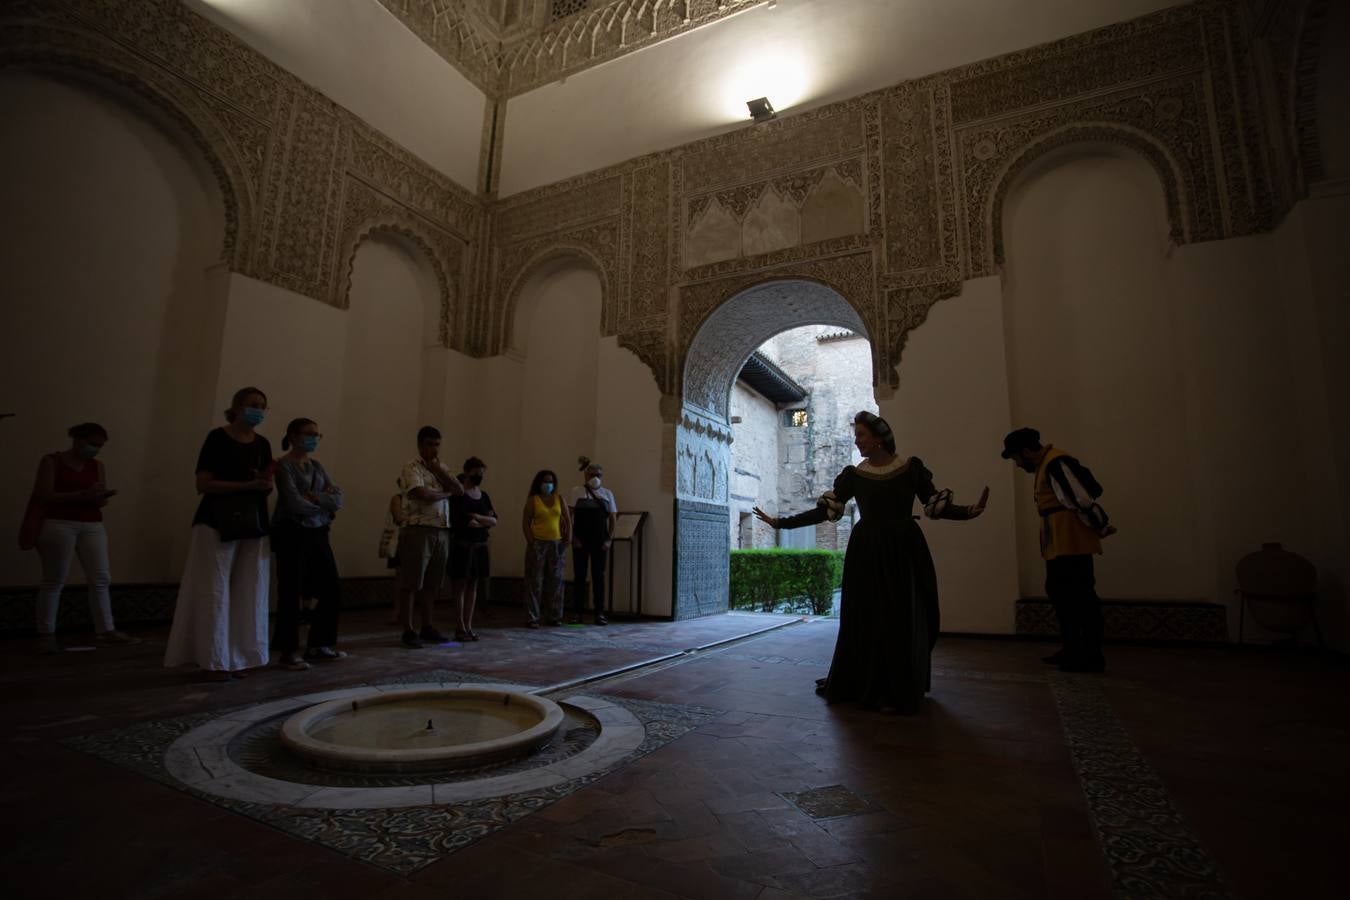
x=307 y=501
x=220 y=619
x=69 y=496
x=548 y=531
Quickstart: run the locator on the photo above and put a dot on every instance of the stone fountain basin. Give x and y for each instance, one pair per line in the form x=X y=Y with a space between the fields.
x=386 y=731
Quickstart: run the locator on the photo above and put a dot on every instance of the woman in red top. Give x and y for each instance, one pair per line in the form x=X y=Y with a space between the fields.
x=72 y=490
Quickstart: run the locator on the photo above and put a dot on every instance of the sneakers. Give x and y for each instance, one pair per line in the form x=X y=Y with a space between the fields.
x=410 y=639
x=601 y=620
x=293 y=662
x=116 y=637
x=430 y=635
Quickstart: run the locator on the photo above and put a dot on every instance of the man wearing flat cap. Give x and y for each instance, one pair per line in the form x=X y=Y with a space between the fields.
x=1073 y=524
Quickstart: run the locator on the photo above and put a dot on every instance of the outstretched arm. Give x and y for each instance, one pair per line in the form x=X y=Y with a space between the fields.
x=813 y=516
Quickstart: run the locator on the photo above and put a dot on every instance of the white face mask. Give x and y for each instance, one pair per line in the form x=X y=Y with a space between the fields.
x=593 y=482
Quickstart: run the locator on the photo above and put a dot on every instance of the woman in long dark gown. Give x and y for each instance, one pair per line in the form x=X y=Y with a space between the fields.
x=888 y=616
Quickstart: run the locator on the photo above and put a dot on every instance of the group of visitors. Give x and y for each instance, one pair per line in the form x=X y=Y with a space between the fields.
x=440 y=524
x=889 y=613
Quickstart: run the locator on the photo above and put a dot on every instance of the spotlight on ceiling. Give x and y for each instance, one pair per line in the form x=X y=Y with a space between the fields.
x=761 y=110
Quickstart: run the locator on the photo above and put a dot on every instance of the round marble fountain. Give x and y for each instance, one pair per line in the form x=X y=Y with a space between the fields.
x=424 y=729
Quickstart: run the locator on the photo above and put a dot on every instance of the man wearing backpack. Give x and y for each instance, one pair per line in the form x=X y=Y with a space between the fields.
x=1072 y=527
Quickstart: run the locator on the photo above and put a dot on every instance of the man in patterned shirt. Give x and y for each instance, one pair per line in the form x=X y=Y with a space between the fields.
x=424 y=541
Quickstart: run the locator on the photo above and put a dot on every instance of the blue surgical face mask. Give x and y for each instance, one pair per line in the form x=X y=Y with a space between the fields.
x=546 y=487
x=309 y=443
x=254 y=416
x=88 y=451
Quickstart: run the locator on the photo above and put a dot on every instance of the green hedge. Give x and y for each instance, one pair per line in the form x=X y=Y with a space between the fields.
x=764 y=579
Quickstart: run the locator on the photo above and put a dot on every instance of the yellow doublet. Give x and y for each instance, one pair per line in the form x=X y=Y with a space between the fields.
x=546 y=523
x=1062 y=532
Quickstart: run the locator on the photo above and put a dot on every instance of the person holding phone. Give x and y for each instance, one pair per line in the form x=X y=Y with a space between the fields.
x=220 y=619
x=69 y=495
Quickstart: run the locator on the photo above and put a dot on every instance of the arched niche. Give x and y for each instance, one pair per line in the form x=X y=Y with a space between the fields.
x=701 y=445
x=523 y=293
x=390 y=376
x=115 y=299
x=415 y=239
x=1075 y=140
x=1097 y=357
x=149 y=92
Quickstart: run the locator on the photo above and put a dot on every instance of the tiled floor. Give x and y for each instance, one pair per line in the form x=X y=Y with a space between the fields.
x=977 y=797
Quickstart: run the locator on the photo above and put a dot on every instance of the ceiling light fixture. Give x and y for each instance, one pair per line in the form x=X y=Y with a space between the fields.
x=761 y=110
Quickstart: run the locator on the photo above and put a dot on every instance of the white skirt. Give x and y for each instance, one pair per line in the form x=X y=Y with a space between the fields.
x=220 y=620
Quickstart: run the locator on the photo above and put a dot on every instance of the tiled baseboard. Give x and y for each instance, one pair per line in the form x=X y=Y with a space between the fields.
x=1137 y=620
x=152 y=604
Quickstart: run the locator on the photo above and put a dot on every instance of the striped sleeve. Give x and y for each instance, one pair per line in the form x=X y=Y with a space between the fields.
x=1072 y=495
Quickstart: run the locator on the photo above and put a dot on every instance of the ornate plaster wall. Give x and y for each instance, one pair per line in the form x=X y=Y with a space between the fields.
x=304 y=179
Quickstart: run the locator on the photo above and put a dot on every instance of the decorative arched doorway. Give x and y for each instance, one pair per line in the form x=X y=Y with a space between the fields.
x=702 y=444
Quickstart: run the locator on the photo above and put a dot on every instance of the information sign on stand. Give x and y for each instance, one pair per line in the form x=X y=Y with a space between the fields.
x=628 y=528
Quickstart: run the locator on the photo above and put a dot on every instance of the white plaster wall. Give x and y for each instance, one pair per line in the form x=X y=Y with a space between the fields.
x=1202 y=382
x=803 y=53
x=359 y=55
x=558 y=327
x=359 y=373
x=952 y=410
x=1315 y=243
x=1096 y=365
x=1259 y=432
x=1333 y=93
x=565 y=391
x=629 y=440
x=754 y=462
x=110 y=312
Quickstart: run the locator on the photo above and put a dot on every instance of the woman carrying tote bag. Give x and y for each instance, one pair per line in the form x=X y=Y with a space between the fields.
x=220 y=620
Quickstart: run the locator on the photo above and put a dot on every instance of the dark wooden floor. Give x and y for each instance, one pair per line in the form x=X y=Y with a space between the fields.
x=976 y=797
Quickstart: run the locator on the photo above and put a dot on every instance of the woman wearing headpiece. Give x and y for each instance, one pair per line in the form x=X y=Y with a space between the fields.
x=888 y=617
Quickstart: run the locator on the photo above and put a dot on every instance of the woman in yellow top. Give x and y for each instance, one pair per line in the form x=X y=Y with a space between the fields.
x=548 y=532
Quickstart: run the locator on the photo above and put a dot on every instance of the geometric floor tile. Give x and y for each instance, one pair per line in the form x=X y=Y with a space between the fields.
x=830 y=802
x=400 y=839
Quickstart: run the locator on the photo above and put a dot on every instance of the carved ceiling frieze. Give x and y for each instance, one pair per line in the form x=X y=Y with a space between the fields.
x=506 y=58
x=918 y=172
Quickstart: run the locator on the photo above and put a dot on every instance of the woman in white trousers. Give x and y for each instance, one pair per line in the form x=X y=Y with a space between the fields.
x=220 y=619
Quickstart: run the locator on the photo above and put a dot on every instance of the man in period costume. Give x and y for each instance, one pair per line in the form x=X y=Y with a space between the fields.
x=1073 y=524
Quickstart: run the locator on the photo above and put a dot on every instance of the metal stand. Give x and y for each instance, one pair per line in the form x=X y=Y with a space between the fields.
x=628 y=530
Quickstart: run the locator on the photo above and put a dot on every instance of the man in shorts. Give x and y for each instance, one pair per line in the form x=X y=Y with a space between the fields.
x=424 y=542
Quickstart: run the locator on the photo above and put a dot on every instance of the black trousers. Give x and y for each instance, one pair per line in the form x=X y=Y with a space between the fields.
x=595 y=556
x=305 y=568
x=1072 y=588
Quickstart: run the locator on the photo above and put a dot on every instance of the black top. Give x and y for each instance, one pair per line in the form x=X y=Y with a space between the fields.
x=229 y=460
x=888 y=617
x=463 y=506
